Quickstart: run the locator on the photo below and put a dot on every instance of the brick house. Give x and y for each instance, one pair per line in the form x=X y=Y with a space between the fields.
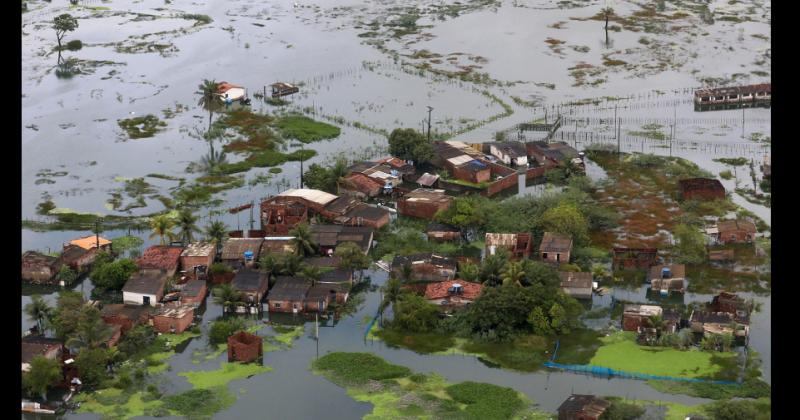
x=125 y=316
x=518 y=245
x=161 y=257
x=319 y=296
x=736 y=231
x=634 y=258
x=423 y=203
x=361 y=186
x=733 y=304
x=467 y=168
x=511 y=153
x=281 y=213
x=638 y=316
x=425 y=267
x=145 y=287
x=365 y=215
x=546 y=154
x=173 y=319
x=701 y=189
x=77 y=258
x=555 y=248
x=234 y=250
x=450 y=294
x=200 y=255
x=577 y=285
x=440 y=232
x=582 y=407
x=38 y=268
x=667 y=278
x=253 y=284
x=328 y=237
x=245 y=347
x=289 y=294
x=193 y=292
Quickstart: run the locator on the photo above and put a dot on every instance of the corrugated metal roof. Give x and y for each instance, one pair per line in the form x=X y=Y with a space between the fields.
x=89 y=242
x=427 y=179
x=460 y=160
x=501 y=239
x=315 y=196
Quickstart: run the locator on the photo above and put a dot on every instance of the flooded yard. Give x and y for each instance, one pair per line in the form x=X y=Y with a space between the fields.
x=367 y=68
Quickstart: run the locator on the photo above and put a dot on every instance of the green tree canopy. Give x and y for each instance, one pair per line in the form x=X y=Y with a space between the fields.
x=566 y=219
x=91 y=332
x=222 y=329
x=352 y=257
x=409 y=144
x=690 y=245
x=226 y=296
x=67 y=313
x=413 y=313
x=40 y=312
x=44 y=373
x=162 y=227
x=64 y=23
x=113 y=275
x=92 y=364
x=302 y=242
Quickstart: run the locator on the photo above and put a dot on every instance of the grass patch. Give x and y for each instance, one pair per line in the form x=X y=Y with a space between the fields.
x=142 y=127
x=113 y=403
x=357 y=368
x=227 y=372
x=200 y=19
x=199 y=403
x=486 y=401
x=305 y=129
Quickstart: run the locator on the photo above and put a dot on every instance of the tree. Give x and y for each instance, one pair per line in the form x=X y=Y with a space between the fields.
x=92 y=364
x=492 y=267
x=467 y=213
x=222 y=329
x=67 y=313
x=162 y=227
x=566 y=219
x=311 y=272
x=512 y=274
x=136 y=339
x=303 y=244
x=469 y=272
x=690 y=246
x=67 y=275
x=500 y=313
x=738 y=410
x=622 y=411
x=62 y=24
x=392 y=291
x=539 y=273
x=113 y=275
x=43 y=374
x=91 y=332
x=409 y=144
x=407 y=273
x=227 y=297
x=413 y=313
x=209 y=99
x=40 y=312
x=187 y=225
x=558 y=319
x=607 y=12
x=128 y=244
x=217 y=232
x=352 y=257
x=539 y=322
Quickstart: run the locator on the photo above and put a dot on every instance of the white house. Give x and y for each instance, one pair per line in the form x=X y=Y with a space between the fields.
x=229 y=91
x=511 y=153
x=145 y=288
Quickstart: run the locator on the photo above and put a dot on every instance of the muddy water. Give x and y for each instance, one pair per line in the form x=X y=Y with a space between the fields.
x=71 y=125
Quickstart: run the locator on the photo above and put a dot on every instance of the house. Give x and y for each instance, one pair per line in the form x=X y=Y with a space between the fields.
x=197 y=257
x=125 y=316
x=511 y=153
x=323 y=262
x=721 y=255
x=474 y=170
x=289 y=294
x=77 y=258
x=328 y=237
x=337 y=275
x=732 y=304
x=229 y=92
x=733 y=94
x=241 y=251
x=36 y=345
x=339 y=291
x=161 y=257
x=145 y=287
x=245 y=347
x=668 y=278
x=399 y=165
x=708 y=322
x=518 y=245
x=362 y=186
x=440 y=232
x=638 y=316
x=366 y=215
x=319 y=296
x=582 y=407
x=427 y=180
x=550 y=154
x=385 y=173
x=736 y=231
x=253 y=284
x=92 y=242
x=555 y=248
x=193 y=292
x=634 y=258
x=173 y=319
x=282 y=89
x=577 y=285
x=281 y=213
x=276 y=245
x=38 y=268
x=449 y=294
x=423 y=203
x=701 y=189
x=425 y=267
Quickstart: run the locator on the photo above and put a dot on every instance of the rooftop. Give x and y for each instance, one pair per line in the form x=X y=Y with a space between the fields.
x=89 y=242
x=249 y=280
x=163 y=257
x=334 y=235
x=738 y=224
x=148 y=282
x=676 y=271
x=234 y=248
x=427 y=179
x=427 y=194
x=199 y=249
x=193 y=288
x=323 y=261
x=132 y=312
x=553 y=242
x=336 y=276
x=501 y=239
x=511 y=148
x=72 y=253
x=37 y=258
x=580 y=280
x=430 y=258
x=588 y=404
x=443 y=289
x=33 y=346
x=643 y=310
x=174 y=311
x=289 y=288
x=314 y=196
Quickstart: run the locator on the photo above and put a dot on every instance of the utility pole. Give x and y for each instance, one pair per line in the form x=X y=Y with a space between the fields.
x=251 y=215
x=302 y=155
x=316 y=324
x=97 y=233
x=430 y=108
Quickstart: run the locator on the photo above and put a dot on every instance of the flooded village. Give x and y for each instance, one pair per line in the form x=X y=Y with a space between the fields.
x=481 y=209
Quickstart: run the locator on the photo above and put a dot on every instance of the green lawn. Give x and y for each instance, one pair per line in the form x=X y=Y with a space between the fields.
x=621 y=352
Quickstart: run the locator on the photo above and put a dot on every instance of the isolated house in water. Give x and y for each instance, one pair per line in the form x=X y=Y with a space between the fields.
x=701 y=189
x=38 y=268
x=736 y=231
x=555 y=248
x=668 y=278
x=245 y=347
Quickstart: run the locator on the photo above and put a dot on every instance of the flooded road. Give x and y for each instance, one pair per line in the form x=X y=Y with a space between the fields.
x=69 y=125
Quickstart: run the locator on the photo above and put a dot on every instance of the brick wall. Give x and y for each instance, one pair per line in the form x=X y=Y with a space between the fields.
x=244 y=347
x=165 y=324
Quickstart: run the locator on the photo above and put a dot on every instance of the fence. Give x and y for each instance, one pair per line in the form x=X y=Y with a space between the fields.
x=371 y=324
x=665 y=122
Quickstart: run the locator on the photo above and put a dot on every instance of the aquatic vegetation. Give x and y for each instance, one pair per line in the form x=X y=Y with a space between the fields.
x=227 y=372
x=305 y=129
x=199 y=403
x=141 y=127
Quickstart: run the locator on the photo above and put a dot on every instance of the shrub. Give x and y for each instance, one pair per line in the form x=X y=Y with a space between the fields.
x=622 y=411
x=486 y=401
x=221 y=330
x=74 y=45
x=220 y=268
x=358 y=368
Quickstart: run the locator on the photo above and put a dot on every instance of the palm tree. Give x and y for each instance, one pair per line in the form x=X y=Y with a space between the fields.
x=311 y=271
x=302 y=242
x=227 y=297
x=512 y=273
x=187 y=224
x=216 y=232
x=162 y=226
x=39 y=311
x=290 y=264
x=211 y=162
x=92 y=331
x=391 y=293
x=492 y=266
x=469 y=272
x=208 y=98
x=269 y=264
x=657 y=322
x=407 y=273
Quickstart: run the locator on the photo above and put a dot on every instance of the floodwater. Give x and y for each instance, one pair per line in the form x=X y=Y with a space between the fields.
x=70 y=125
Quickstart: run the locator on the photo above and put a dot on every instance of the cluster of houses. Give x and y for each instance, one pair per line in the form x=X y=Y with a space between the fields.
x=77 y=254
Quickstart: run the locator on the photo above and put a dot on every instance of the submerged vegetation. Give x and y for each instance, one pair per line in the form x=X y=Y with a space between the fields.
x=142 y=127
